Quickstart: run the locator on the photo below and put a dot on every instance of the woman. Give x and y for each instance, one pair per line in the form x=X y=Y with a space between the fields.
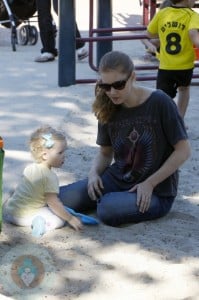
x=142 y=140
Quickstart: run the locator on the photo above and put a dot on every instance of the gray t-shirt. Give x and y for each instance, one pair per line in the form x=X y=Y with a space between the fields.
x=142 y=139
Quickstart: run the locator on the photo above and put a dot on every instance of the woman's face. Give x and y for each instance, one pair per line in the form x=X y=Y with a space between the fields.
x=117 y=86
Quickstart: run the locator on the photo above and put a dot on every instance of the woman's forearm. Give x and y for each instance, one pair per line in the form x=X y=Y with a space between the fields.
x=101 y=162
x=176 y=159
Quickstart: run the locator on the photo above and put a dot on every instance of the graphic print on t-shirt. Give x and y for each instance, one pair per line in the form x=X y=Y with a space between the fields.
x=134 y=154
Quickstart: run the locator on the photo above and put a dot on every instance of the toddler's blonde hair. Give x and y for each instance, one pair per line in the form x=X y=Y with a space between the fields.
x=37 y=142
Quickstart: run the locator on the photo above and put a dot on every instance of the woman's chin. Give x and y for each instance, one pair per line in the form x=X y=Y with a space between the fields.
x=117 y=101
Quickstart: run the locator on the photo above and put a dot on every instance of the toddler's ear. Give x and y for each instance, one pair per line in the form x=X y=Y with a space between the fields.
x=44 y=155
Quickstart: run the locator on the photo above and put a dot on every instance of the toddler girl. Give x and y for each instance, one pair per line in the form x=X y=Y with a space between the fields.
x=35 y=201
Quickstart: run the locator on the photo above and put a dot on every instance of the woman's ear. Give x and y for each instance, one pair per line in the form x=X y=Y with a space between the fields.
x=133 y=76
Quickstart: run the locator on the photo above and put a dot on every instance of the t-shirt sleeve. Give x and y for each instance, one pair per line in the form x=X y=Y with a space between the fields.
x=194 y=22
x=153 y=25
x=103 y=138
x=51 y=184
x=172 y=123
x=41 y=179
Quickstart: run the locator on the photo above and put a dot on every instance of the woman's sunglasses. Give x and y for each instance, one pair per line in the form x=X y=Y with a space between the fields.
x=117 y=85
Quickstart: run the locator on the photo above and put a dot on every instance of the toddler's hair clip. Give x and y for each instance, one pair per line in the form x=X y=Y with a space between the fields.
x=49 y=143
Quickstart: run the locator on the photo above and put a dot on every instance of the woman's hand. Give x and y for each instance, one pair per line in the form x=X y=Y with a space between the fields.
x=95 y=187
x=102 y=160
x=181 y=153
x=144 y=193
x=75 y=223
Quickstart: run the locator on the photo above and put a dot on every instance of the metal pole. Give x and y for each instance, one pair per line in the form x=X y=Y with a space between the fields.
x=67 y=36
x=104 y=21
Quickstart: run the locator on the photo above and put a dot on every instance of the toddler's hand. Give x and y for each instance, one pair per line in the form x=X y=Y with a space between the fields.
x=75 y=223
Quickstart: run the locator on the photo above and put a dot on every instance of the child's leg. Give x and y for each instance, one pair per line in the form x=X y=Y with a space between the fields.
x=166 y=82
x=27 y=221
x=51 y=220
x=183 y=99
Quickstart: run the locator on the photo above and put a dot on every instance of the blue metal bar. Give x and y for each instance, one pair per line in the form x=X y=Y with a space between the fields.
x=104 y=21
x=67 y=36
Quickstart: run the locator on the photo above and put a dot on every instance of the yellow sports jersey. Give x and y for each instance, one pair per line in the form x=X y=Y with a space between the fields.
x=172 y=24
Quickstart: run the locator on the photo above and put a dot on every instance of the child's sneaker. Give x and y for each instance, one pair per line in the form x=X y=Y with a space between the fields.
x=82 y=53
x=45 y=57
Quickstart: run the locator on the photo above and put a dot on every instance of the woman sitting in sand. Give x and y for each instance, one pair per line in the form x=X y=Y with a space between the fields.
x=142 y=143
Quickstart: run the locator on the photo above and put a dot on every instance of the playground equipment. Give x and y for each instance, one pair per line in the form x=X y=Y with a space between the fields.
x=103 y=32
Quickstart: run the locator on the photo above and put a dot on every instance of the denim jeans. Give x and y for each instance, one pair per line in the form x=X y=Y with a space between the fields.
x=114 y=207
x=48 y=29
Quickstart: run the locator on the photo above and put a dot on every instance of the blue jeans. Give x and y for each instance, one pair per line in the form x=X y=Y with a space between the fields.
x=115 y=207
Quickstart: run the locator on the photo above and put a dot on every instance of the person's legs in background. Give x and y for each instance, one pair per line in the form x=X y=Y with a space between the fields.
x=166 y=82
x=177 y=85
x=82 y=52
x=47 y=31
x=183 y=81
x=183 y=99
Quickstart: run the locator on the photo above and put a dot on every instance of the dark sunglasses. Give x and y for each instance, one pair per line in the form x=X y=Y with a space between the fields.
x=117 y=85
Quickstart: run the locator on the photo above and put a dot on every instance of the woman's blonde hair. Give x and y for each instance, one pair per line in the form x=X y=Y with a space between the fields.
x=103 y=107
x=43 y=138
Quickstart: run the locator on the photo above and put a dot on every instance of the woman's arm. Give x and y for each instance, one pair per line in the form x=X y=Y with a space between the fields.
x=102 y=160
x=58 y=209
x=181 y=153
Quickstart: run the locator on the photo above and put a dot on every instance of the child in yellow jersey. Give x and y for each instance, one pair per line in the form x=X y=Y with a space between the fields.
x=152 y=46
x=177 y=29
x=35 y=201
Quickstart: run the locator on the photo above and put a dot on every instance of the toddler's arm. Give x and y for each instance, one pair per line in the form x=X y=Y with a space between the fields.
x=57 y=207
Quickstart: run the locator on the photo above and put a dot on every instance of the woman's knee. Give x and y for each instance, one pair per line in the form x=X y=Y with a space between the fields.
x=114 y=209
x=105 y=212
x=76 y=196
